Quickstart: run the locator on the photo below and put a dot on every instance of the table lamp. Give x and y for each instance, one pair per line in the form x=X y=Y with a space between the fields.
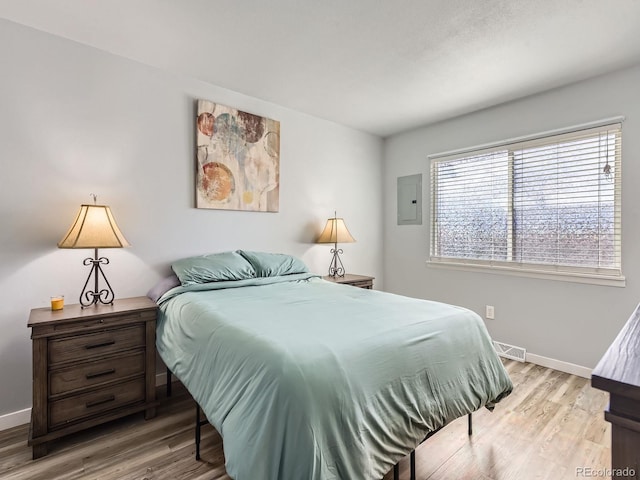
x=94 y=227
x=335 y=231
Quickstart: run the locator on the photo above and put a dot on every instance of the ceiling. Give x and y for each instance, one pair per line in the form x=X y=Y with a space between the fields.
x=375 y=65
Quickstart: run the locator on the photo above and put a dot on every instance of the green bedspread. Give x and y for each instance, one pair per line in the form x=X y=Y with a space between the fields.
x=308 y=380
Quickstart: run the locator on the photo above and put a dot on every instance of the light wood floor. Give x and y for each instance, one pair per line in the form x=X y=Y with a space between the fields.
x=550 y=425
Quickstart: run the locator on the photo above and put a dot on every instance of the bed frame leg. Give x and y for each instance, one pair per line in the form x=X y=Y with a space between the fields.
x=168 y=382
x=396 y=467
x=413 y=465
x=198 y=427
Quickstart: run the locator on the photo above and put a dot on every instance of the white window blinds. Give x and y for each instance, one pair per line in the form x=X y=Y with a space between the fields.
x=549 y=203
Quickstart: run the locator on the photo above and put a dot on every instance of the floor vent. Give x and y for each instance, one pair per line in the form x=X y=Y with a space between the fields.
x=510 y=351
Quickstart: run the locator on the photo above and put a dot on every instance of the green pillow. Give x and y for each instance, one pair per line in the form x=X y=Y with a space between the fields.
x=216 y=267
x=274 y=264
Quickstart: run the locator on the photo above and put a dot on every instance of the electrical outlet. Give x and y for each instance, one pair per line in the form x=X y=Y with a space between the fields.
x=490 y=312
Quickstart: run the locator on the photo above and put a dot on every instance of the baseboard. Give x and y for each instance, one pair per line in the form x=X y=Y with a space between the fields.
x=161 y=379
x=559 y=365
x=15 y=419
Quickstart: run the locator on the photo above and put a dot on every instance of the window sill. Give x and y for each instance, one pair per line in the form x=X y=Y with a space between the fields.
x=590 y=279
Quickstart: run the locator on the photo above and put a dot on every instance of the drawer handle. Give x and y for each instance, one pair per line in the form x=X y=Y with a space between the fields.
x=100 y=374
x=101 y=344
x=95 y=403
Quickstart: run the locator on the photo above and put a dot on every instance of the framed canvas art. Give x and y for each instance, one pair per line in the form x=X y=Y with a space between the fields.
x=238 y=159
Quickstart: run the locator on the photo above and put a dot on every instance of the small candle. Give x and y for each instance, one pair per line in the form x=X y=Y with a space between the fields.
x=57 y=302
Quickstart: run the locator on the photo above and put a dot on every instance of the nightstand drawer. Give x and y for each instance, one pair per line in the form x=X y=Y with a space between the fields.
x=363 y=284
x=84 y=347
x=80 y=406
x=94 y=324
x=80 y=376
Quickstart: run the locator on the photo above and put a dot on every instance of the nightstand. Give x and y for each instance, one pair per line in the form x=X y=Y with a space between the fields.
x=91 y=366
x=361 y=281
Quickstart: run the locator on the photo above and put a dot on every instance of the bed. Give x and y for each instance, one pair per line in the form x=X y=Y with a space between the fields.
x=308 y=379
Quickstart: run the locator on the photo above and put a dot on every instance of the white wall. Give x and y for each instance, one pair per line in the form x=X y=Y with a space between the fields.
x=75 y=120
x=570 y=322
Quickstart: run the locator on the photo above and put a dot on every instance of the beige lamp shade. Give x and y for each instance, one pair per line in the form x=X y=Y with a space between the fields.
x=94 y=227
x=335 y=231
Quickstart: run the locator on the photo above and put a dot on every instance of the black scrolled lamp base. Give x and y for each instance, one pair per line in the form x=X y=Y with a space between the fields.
x=105 y=295
x=336 y=268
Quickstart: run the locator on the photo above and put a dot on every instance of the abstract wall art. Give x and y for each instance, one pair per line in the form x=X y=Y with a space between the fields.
x=238 y=159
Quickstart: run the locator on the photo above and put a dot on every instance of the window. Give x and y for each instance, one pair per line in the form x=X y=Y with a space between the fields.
x=548 y=204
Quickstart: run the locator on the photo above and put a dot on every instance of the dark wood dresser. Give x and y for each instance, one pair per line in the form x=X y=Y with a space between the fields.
x=90 y=366
x=618 y=373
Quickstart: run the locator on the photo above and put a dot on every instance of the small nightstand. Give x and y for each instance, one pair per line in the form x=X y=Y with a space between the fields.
x=91 y=366
x=361 y=281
